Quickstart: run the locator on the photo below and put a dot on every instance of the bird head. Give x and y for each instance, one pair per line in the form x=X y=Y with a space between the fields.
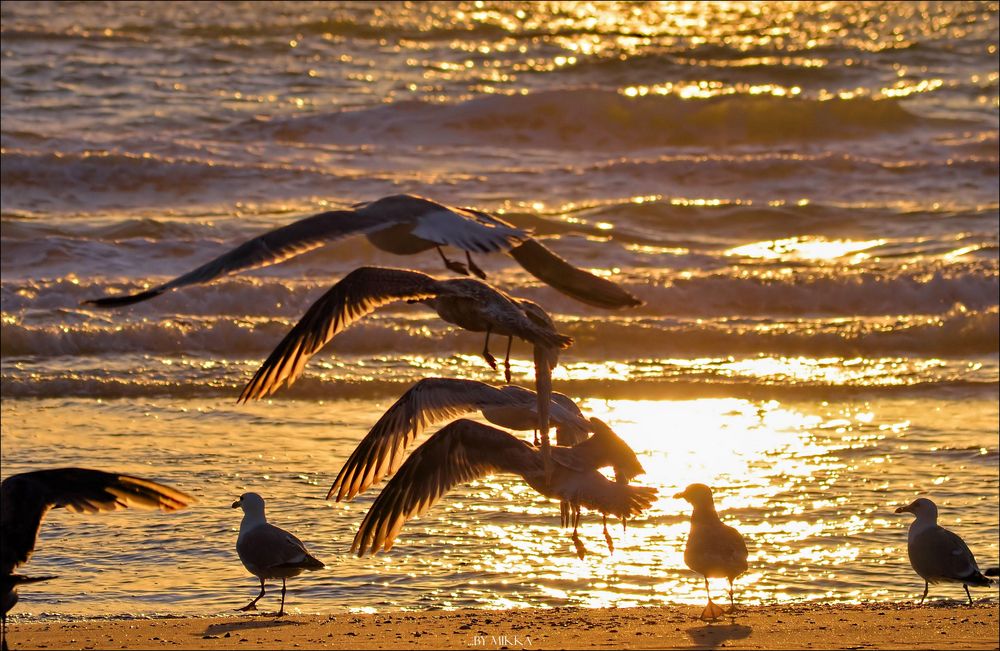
x=920 y=507
x=697 y=495
x=250 y=503
x=621 y=456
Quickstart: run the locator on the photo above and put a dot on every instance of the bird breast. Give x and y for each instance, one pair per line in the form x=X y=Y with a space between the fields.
x=466 y=313
x=399 y=239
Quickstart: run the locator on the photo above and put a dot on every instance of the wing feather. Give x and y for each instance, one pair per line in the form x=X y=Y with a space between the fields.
x=264 y=250
x=576 y=283
x=456 y=454
x=429 y=401
x=27 y=497
x=359 y=293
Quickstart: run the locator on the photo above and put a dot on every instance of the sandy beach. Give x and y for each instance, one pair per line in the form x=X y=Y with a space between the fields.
x=945 y=625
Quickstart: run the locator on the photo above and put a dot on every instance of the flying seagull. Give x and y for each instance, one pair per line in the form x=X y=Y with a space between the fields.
x=714 y=549
x=25 y=498
x=267 y=551
x=465 y=450
x=468 y=303
x=402 y=224
x=938 y=555
x=432 y=400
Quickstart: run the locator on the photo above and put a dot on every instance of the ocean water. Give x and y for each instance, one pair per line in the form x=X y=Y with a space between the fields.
x=804 y=194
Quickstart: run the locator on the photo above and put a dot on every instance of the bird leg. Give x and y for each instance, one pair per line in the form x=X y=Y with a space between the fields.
x=732 y=599
x=253 y=604
x=967 y=594
x=457 y=267
x=543 y=391
x=711 y=610
x=506 y=361
x=581 y=551
x=927 y=586
x=564 y=514
x=474 y=268
x=490 y=359
x=607 y=536
x=281 y=611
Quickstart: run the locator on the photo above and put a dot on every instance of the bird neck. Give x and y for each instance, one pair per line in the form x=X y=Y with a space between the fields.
x=920 y=525
x=704 y=512
x=252 y=519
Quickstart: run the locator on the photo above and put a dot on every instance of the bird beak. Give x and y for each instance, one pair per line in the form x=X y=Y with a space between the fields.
x=237 y=504
x=680 y=496
x=904 y=509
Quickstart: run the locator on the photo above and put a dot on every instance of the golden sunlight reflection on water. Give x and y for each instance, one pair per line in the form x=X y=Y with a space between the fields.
x=811 y=485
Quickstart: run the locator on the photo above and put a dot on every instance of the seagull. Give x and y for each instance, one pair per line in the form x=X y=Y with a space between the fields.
x=25 y=498
x=402 y=224
x=432 y=400
x=714 y=549
x=466 y=450
x=938 y=555
x=466 y=302
x=267 y=551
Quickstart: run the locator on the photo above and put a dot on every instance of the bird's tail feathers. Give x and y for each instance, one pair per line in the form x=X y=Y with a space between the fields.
x=617 y=499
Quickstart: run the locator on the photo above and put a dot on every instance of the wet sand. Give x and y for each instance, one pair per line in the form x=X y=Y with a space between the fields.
x=939 y=625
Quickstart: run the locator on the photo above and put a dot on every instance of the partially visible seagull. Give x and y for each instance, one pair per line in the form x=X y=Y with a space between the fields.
x=402 y=224
x=465 y=450
x=25 y=498
x=714 y=549
x=267 y=551
x=468 y=303
x=938 y=555
x=432 y=400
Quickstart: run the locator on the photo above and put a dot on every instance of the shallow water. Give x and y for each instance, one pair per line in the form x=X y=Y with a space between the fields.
x=804 y=194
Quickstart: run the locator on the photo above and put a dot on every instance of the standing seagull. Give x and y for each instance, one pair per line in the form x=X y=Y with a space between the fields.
x=466 y=450
x=714 y=549
x=402 y=224
x=267 y=551
x=25 y=499
x=936 y=554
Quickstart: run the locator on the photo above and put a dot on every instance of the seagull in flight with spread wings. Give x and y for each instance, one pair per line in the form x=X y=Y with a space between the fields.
x=433 y=400
x=402 y=224
x=466 y=450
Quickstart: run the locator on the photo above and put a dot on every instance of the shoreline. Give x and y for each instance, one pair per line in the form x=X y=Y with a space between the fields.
x=815 y=625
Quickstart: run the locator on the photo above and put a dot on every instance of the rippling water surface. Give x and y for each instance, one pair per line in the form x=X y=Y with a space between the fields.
x=804 y=194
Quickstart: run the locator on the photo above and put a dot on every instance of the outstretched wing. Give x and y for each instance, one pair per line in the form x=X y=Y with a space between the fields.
x=576 y=283
x=429 y=401
x=456 y=454
x=28 y=496
x=262 y=251
x=358 y=294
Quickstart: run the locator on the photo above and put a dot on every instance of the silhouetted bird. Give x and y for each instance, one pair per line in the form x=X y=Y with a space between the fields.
x=936 y=554
x=25 y=498
x=466 y=450
x=402 y=224
x=714 y=549
x=267 y=551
